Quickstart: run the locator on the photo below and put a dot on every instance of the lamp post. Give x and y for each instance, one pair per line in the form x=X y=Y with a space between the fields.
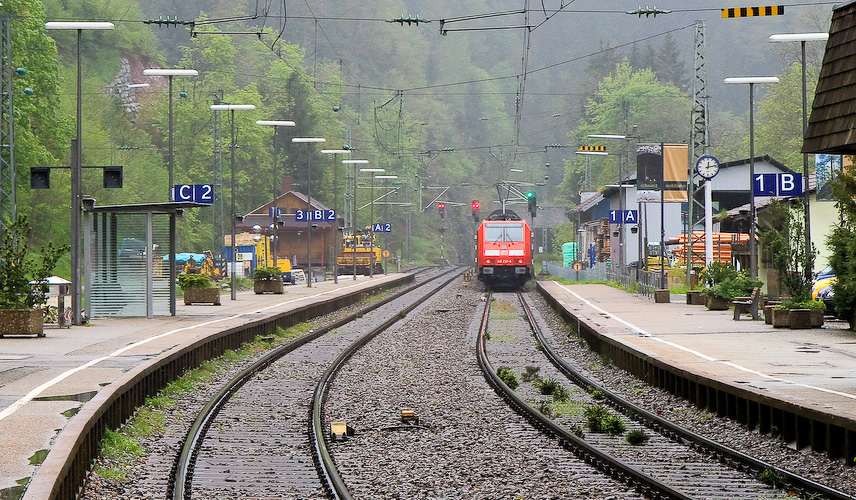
x=752 y=81
x=275 y=124
x=384 y=239
x=335 y=152
x=232 y=108
x=169 y=73
x=77 y=167
x=803 y=38
x=310 y=141
x=354 y=207
x=371 y=221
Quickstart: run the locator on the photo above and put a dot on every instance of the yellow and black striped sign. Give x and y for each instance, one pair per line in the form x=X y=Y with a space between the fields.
x=770 y=10
x=592 y=148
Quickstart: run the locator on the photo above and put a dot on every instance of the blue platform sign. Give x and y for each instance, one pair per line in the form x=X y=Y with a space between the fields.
x=784 y=184
x=199 y=193
x=274 y=212
x=382 y=227
x=316 y=215
x=623 y=216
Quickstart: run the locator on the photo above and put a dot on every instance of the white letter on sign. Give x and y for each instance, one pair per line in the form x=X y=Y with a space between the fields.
x=787 y=183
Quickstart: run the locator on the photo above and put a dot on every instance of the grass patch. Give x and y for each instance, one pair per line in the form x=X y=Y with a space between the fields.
x=637 y=437
x=508 y=377
x=602 y=419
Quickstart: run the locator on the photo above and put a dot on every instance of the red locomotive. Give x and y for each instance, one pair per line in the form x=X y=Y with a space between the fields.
x=504 y=251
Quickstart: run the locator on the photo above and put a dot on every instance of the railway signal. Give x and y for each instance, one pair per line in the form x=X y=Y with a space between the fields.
x=441 y=209
x=476 y=206
x=532 y=201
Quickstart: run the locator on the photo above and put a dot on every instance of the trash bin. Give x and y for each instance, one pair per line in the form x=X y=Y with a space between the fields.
x=60 y=288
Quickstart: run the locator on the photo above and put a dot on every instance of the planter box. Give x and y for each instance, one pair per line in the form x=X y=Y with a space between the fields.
x=694 y=297
x=800 y=319
x=717 y=304
x=22 y=322
x=267 y=286
x=768 y=314
x=816 y=318
x=202 y=295
x=662 y=296
x=781 y=318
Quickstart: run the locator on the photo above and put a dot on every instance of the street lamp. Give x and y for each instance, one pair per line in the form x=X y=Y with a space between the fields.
x=620 y=196
x=77 y=167
x=384 y=239
x=310 y=141
x=232 y=108
x=169 y=73
x=354 y=208
x=335 y=152
x=803 y=38
x=275 y=124
x=751 y=81
x=371 y=221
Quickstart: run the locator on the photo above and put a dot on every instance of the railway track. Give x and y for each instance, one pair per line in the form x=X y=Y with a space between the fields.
x=251 y=440
x=674 y=462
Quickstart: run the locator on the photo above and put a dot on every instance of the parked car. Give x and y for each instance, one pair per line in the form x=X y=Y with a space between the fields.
x=821 y=288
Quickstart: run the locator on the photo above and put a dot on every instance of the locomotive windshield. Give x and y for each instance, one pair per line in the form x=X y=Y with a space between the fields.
x=503 y=232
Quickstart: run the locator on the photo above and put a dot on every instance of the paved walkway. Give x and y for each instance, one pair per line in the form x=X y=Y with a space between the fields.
x=44 y=381
x=813 y=368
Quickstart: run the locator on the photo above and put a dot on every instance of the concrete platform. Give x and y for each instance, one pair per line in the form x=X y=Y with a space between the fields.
x=45 y=381
x=808 y=371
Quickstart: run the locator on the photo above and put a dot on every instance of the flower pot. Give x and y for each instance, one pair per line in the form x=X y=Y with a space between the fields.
x=662 y=296
x=205 y=295
x=816 y=318
x=267 y=286
x=694 y=297
x=717 y=303
x=781 y=318
x=22 y=322
x=800 y=319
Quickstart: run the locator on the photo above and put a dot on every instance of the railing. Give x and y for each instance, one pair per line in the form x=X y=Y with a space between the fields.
x=628 y=276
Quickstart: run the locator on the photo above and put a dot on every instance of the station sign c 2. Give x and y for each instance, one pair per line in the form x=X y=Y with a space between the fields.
x=198 y=193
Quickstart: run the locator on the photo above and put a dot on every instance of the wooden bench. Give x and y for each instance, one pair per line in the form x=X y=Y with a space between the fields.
x=747 y=305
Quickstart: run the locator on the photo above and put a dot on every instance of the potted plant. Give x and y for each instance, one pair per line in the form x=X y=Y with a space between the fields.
x=720 y=295
x=784 y=246
x=23 y=280
x=267 y=280
x=198 y=288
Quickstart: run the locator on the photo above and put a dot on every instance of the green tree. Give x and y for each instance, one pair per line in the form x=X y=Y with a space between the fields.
x=842 y=243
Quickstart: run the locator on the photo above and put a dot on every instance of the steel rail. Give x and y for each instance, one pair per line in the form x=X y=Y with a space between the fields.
x=335 y=485
x=182 y=471
x=609 y=465
x=743 y=462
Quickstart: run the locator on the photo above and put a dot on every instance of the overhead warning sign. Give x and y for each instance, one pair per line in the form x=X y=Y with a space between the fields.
x=770 y=10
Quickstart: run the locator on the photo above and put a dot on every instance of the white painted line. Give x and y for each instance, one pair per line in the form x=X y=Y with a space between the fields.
x=17 y=405
x=705 y=357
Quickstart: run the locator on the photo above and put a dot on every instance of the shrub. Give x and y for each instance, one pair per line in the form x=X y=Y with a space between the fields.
x=601 y=419
x=267 y=273
x=546 y=386
x=19 y=267
x=530 y=374
x=194 y=281
x=637 y=437
x=561 y=393
x=508 y=377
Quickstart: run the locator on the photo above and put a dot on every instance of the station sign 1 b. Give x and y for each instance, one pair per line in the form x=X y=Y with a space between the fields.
x=784 y=184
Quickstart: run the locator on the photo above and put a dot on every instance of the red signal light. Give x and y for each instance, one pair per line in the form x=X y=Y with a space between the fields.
x=476 y=205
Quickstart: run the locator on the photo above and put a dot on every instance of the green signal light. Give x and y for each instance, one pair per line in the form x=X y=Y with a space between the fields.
x=530 y=194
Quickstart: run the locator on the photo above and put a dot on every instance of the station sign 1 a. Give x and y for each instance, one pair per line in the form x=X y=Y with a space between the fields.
x=624 y=216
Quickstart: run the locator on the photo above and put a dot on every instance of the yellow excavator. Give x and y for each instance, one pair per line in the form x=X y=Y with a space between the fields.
x=264 y=258
x=359 y=247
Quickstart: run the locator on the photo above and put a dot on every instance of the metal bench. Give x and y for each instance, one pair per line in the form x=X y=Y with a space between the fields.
x=747 y=305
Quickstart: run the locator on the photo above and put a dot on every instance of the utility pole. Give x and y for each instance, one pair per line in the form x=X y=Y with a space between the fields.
x=699 y=140
x=219 y=212
x=8 y=199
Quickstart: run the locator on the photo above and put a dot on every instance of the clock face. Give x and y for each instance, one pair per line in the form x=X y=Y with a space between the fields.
x=707 y=166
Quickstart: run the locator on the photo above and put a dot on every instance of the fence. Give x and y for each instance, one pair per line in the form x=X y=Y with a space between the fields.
x=627 y=276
